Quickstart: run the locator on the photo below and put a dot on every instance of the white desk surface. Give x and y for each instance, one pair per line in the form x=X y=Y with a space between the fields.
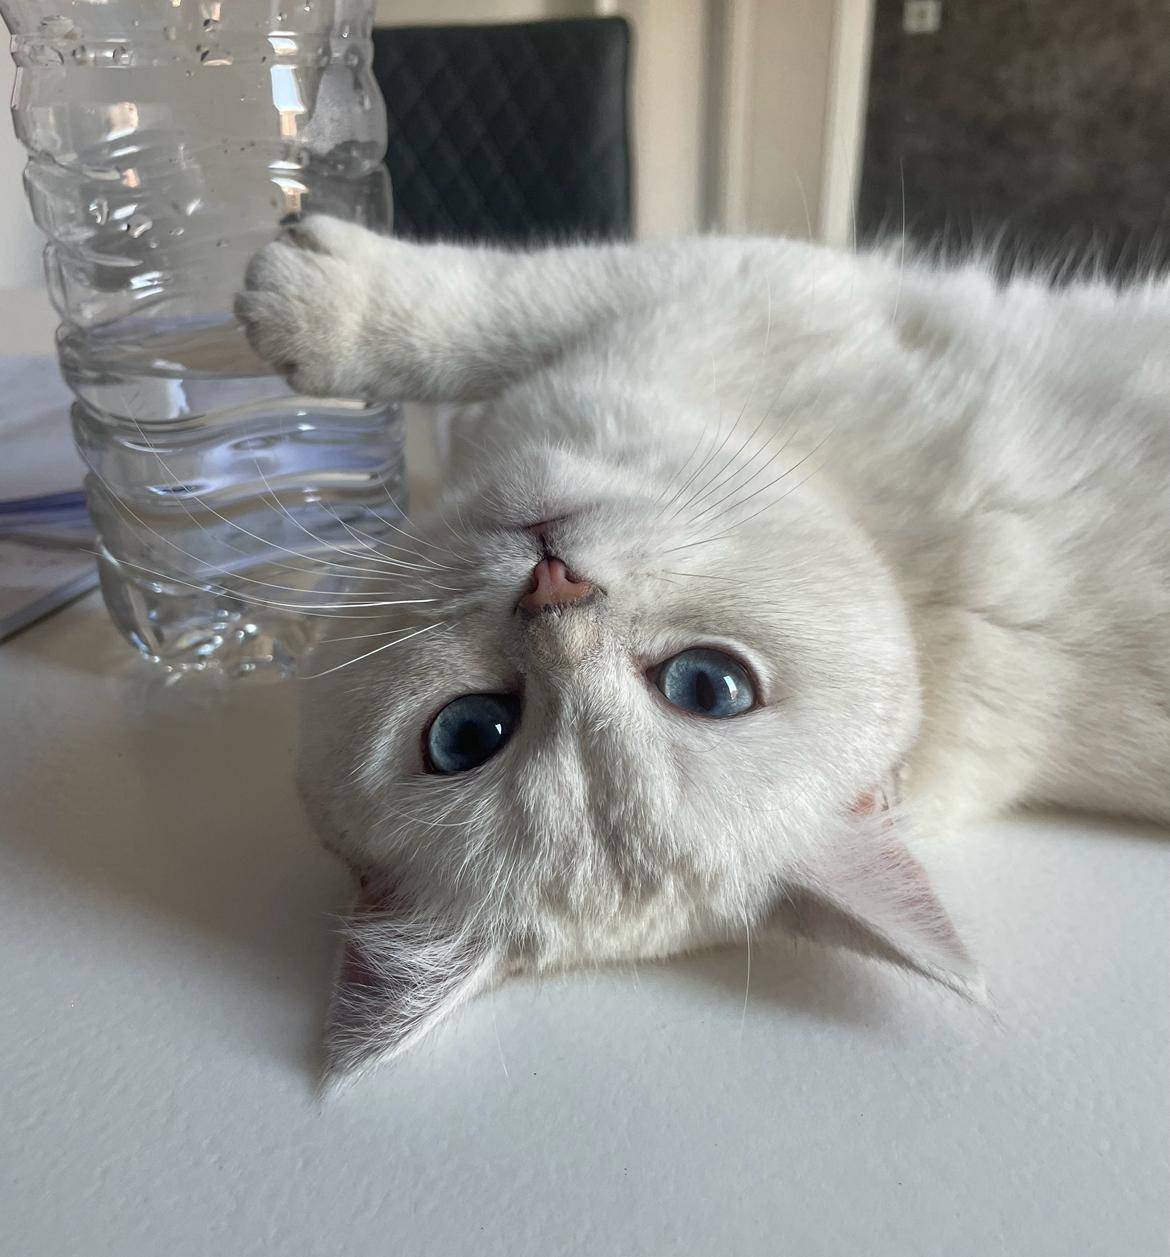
x=165 y=919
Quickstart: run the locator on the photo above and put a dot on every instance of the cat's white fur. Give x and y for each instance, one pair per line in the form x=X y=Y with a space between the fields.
x=930 y=511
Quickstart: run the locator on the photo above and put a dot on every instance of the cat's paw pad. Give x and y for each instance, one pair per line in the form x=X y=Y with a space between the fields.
x=303 y=303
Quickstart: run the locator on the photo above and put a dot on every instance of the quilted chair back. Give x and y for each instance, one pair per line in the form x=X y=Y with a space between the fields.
x=513 y=134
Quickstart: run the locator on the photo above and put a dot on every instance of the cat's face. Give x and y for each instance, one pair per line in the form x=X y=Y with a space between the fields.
x=589 y=804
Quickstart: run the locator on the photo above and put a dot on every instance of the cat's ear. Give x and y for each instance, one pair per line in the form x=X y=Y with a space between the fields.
x=400 y=975
x=867 y=892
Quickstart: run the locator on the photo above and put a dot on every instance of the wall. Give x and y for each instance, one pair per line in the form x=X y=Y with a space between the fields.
x=1042 y=128
x=788 y=106
x=669 y=101
x=787 y=111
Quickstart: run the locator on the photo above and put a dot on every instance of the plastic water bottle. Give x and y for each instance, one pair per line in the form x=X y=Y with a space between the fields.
x=167 y=141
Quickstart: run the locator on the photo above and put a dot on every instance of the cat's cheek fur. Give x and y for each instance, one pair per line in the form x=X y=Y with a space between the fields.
x=612 y=827
x=403 y=972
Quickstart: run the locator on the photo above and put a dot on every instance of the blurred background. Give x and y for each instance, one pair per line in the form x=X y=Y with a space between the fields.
x=1041 y=126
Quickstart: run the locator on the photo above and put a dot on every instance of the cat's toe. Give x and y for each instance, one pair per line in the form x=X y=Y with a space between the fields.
x=342 y=303
x=318 y=233
x=277 y=266
x=267 y=325
x=297 y=311
x=282 y=340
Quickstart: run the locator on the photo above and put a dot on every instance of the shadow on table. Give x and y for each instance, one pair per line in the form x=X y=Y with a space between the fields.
x=812 y=982
x=179 y=806
x=79 y=637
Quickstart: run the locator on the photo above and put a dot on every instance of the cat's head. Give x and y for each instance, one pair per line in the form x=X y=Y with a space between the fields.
x=634 y=714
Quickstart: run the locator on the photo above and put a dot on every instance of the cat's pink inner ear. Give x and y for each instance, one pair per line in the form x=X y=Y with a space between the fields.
x=870 y=894
x=870 y=802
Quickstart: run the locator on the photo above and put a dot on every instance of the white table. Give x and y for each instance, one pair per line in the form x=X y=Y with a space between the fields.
x=165 y=918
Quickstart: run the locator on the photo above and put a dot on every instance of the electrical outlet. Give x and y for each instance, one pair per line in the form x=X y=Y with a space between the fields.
x=921 y=17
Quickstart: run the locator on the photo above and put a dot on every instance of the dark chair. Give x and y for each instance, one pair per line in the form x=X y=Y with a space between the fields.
x=512 y=134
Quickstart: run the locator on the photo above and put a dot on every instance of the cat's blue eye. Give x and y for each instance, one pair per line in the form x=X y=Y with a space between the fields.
x=470 y=730
x=706 y=682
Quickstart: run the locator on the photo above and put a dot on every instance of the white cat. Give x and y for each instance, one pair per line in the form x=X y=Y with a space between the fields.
x=751 y=556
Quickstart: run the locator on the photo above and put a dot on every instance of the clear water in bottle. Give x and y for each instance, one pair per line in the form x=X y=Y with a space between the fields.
x=166 y=142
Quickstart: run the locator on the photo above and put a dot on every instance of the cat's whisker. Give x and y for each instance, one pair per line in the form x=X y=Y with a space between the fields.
x=739 y=488
x=739 y=523
x=496 y=1031
x=410 y=536
x=123 y=506
x=690 y=545
x=698 y=499
x=703 y=463
x=420 y=541
x=730 y=496
x=810 y=407
x=741 y=502
x=902 y=246
x=312 y=559
x=251 y=600
x=715 y=513
x=393 y=502
x=790 y=490
x=723 y=580
x=710 y=458
x=704 y=436
x=803 y=202
x=361 y=637
x=679 y=469
x=374 y=546
x=383 y=602
x=719 y=478
x=463 y=537
x=686 y=461
x=492 y=447
x=319 y=566
x=386 y=523
x=207 y=507
x=328 y=545
x=743 y=409
x=431 y=823
x=744 y=473
x=314 y=676
x=747 y=984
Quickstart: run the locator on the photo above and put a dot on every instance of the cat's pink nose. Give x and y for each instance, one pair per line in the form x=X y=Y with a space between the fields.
x=552 y=585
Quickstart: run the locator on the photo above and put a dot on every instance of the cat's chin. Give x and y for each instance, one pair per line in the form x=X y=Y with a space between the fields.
x=653 y=937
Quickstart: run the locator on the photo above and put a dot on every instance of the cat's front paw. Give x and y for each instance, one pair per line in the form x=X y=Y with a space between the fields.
x=305 y=299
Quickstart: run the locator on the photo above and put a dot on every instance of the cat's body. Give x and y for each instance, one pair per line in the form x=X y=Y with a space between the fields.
x=1006 y=450
x=930 y=512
